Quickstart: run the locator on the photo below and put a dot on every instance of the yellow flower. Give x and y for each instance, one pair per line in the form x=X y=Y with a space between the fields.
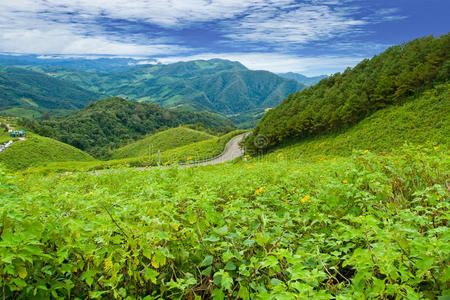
x=70 y=176
x=259 y=190
x=344 y=181
x=10 y=181
x=305 y=199
x=21 y=179
x=249 y=167
x=437 y=147
x=365 y=151
x=189 y=158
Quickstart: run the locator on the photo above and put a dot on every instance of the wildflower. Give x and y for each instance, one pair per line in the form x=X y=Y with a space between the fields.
x=437 y=147
x=249 y=167
x=189 y=158
x=10 y=181
x=21 y=179
x=70 y=176
x=344 y=181
x=246 y=156
x=305 y=199
x=259 y=190
x=278 y=155
x=365 y=151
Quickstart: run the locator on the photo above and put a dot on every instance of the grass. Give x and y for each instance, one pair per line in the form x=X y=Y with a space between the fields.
x=362 y=227
x=421 y=121
x=37 y=150
x=164 y=140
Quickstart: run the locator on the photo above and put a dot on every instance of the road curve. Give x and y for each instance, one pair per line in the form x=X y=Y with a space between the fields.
x=232 y=151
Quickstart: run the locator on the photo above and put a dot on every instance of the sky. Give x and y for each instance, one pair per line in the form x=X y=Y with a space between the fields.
x=311 y=37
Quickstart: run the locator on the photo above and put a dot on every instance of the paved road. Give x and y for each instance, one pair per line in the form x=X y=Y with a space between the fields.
x=232 y=151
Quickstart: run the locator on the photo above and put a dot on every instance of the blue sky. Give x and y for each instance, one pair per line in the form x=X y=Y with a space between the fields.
x=307 y=36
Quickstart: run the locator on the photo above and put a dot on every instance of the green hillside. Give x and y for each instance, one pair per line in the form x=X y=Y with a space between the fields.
x=164 y=140
x=114 y=122
x=216 y=85
x=35 y=92
x=400 y=74
x=422 y=121
x=37 y=151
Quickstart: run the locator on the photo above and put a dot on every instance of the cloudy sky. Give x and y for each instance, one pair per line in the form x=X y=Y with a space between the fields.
x=308 y=36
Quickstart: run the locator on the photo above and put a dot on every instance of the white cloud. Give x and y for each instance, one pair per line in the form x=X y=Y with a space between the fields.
x=300 y=25
x=71 y=27
x=279 y=63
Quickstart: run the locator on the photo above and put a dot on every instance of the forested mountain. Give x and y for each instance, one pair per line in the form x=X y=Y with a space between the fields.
x=110 y=123
x=391 y=78
x=308 y=81
x=216 y=85
x=40 y=92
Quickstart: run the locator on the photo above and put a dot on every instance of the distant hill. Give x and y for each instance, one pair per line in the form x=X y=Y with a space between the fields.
x=216 y=85
x=308 y=81
x=164 y=140
x=37 y=150
x=111 y=123
x=395 y=77
x=33 y=91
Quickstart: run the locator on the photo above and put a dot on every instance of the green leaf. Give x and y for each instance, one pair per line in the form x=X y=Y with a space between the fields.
x=230 y=266
x=207 y=261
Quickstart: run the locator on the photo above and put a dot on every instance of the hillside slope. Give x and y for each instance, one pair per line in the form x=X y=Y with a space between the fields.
x=37 y=151
x=423 y=121
x=20 y=88
x=111 y=123
x=164 y=140
x=394 y=77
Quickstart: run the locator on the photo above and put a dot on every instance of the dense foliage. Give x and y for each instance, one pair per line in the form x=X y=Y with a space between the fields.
x=357 y=228
x=37 y=151
x=39 y=92
x=391 y=78
x=110 y=123
x=164 y=140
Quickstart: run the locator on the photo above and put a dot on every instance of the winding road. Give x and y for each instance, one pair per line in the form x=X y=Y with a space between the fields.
x=232 y=151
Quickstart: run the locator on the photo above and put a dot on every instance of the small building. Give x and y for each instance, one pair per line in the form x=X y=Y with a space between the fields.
x=17 y=133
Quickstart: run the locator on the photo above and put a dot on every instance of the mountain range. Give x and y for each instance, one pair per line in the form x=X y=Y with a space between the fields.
x=37 y=92
x=216 y=85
